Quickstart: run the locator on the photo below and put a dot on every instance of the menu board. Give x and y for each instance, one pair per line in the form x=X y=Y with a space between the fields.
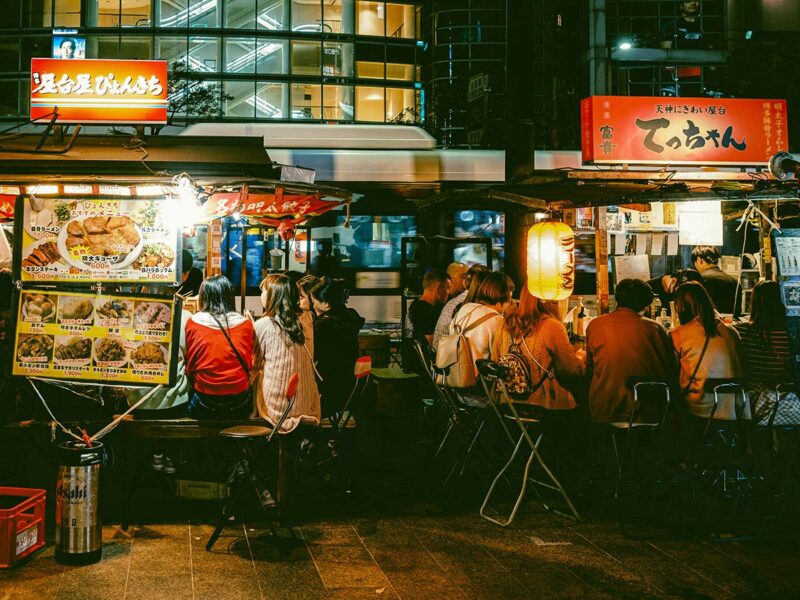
x=84 y=241
x=107 y=338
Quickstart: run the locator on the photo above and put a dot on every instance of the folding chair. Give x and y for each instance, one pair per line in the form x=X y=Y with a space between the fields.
x=241 y=435
x=493 y=379
x=639 y=422
x=445 y=400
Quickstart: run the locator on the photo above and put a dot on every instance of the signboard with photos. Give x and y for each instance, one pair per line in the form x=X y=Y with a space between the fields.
x=88 y=241
x=89 y=337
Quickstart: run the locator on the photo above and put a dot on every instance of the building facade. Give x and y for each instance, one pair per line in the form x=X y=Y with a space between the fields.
x=308 y=60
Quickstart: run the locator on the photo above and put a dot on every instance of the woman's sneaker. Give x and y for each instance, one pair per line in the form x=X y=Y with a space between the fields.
x=158 y=462
x=169 y=466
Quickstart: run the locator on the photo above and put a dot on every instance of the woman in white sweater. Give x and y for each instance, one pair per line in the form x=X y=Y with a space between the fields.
x=283 y=347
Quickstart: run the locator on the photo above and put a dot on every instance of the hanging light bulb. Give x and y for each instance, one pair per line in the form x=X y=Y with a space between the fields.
x=551 y=260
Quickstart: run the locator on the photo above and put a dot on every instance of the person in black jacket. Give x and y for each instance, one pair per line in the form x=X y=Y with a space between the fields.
x=719 y=285
x=664 y=287
x=335 y=343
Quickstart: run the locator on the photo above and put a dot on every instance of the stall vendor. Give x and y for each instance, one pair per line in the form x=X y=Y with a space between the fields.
x=719 y=285
x=664 y=287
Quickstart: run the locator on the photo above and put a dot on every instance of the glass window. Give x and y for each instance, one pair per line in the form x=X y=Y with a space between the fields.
x=120 y=13
x=306 y=15
x=480 y=223
x=272 y=100
x=339 y=16
x=370 y=18
x=102 y=46
x=400 y=105
x=271 y=14
x=369 y=70
x=369 y=242
x=400 y=20
x=36 y=47
x=232 y=253
x=241 y=99
x=216 y=85
x=240 y=14
x=305 y=58
x=34 y=14
x=337 y=102
x=189 y=13
x=67 y=13
x=399 y=72
x=10 y=15
x=337 y=59
x=9 y=98
x=135 y=48
x=171 y=49
x=9 y=55
x=203 y=54
x=305 y=101
x=240 y=55
x=369 y=104
x=271 y=57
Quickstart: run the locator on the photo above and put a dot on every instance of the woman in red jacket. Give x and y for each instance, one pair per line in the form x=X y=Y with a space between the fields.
x=219 y=355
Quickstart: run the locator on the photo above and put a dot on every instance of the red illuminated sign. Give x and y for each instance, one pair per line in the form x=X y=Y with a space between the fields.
x=681 y=131
x=100 y=91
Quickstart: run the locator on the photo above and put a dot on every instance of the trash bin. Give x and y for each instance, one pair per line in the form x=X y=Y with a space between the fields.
x=79 y=536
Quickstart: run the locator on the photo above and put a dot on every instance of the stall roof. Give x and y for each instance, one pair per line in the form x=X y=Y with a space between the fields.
x=133 y=156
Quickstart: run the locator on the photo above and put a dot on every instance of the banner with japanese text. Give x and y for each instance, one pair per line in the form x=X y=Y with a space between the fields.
x=90 y=337
x=100 y=91
x=682 y=131
x=86 y=241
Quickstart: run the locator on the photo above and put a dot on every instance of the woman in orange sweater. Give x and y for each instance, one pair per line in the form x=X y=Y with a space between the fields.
x=219 y=355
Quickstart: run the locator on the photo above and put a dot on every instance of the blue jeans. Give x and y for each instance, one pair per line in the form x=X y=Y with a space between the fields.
x=206 y=407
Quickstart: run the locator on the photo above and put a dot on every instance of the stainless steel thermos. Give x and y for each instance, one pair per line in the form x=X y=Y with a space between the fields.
x=79 y=535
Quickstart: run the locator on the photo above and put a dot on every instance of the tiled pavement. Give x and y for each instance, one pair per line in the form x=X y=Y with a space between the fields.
x=422 y=553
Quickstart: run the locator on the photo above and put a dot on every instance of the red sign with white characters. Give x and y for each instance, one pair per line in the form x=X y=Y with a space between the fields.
x=100 y=91
x=681 y=131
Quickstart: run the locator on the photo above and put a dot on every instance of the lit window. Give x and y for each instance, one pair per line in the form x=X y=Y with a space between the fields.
x=203 y=54
x=270 y=56
x=339 y=16
x=400 y=20
x=337 y=60
x=240 y=55
x=399 y=72
x=400 y=105
x=188 y=13
x=305 y=58
x=370 y=104
x=271 y=100
x=480 y=223
x=337 y=102
x=369 y=70
x=305 y=101
x=306 y=16
x=370 y=18
x=240 y=101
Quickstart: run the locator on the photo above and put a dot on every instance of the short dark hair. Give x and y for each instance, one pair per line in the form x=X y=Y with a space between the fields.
x=434 y=277
x=217 y=296
x=68 y=39
x=633 y=294
x=187 y=261
x=332 y=291
x=710 y=254
x=686 y=275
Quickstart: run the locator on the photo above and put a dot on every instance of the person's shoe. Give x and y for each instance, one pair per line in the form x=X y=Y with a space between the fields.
x=169 y=466
x=267 y=501
x=158 y=462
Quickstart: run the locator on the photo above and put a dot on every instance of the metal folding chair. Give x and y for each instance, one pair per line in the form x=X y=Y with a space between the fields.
x=492 y=377
x=639 y=420
x=443 y=396
x=248 y=462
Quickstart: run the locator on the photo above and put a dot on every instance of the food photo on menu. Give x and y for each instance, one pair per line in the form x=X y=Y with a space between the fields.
x=118 y=240
x=89 y=337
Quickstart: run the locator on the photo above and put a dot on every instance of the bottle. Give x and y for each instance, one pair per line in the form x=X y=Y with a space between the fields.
x=665 y=320
x=580 y=314
x=655 y=308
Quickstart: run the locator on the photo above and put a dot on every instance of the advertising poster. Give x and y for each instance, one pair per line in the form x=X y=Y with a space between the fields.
x=74 y=241
x=787 y=247
x=89 y=337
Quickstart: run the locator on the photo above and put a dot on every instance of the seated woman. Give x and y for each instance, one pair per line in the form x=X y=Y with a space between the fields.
x=219 y=355
x=706 y=349
x=767 y=356
x=282 y=349
x=335 y=343
x=543 y=342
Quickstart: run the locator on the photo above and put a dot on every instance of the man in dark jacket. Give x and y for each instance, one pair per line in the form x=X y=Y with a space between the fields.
x=664 y=287
x=719 y=285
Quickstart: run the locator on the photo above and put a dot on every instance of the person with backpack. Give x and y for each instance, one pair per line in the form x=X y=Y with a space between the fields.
x=219 y=355
x=534 y=347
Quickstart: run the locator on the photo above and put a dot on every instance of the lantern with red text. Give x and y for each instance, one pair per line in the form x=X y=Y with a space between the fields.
x=551 y=260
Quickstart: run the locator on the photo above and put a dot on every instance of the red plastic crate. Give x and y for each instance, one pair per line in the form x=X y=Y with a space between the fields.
x=22 y=525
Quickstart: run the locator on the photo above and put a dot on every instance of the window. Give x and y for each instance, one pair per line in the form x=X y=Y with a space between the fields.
x=370 y=18
x=305 y=58
x=337 y=102
x=232 y=252
x=270 y=57
x=242 y=99
x=480 y=223
x=305 y=101
x=9 y=56
x=135 y=48
x=369 y=242
x=337 y=60
x=119 y=13
x=399 y=72
x=369 y=70
x=188 y=13
x=400 y=20
x=240 y=55
x=369 y=104
x=400 y=105
x=271 y=14
x=9 y=98
x=66 y=13
x=306 y=15
x=240 y=14
x=271 y=100
x=339 y=16
x=10 y=15
x=102 y=46
x=203 y=54
x=36 y=47
x=171 y=49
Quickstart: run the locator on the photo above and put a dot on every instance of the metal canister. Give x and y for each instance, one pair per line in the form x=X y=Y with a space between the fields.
x=79 y=535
